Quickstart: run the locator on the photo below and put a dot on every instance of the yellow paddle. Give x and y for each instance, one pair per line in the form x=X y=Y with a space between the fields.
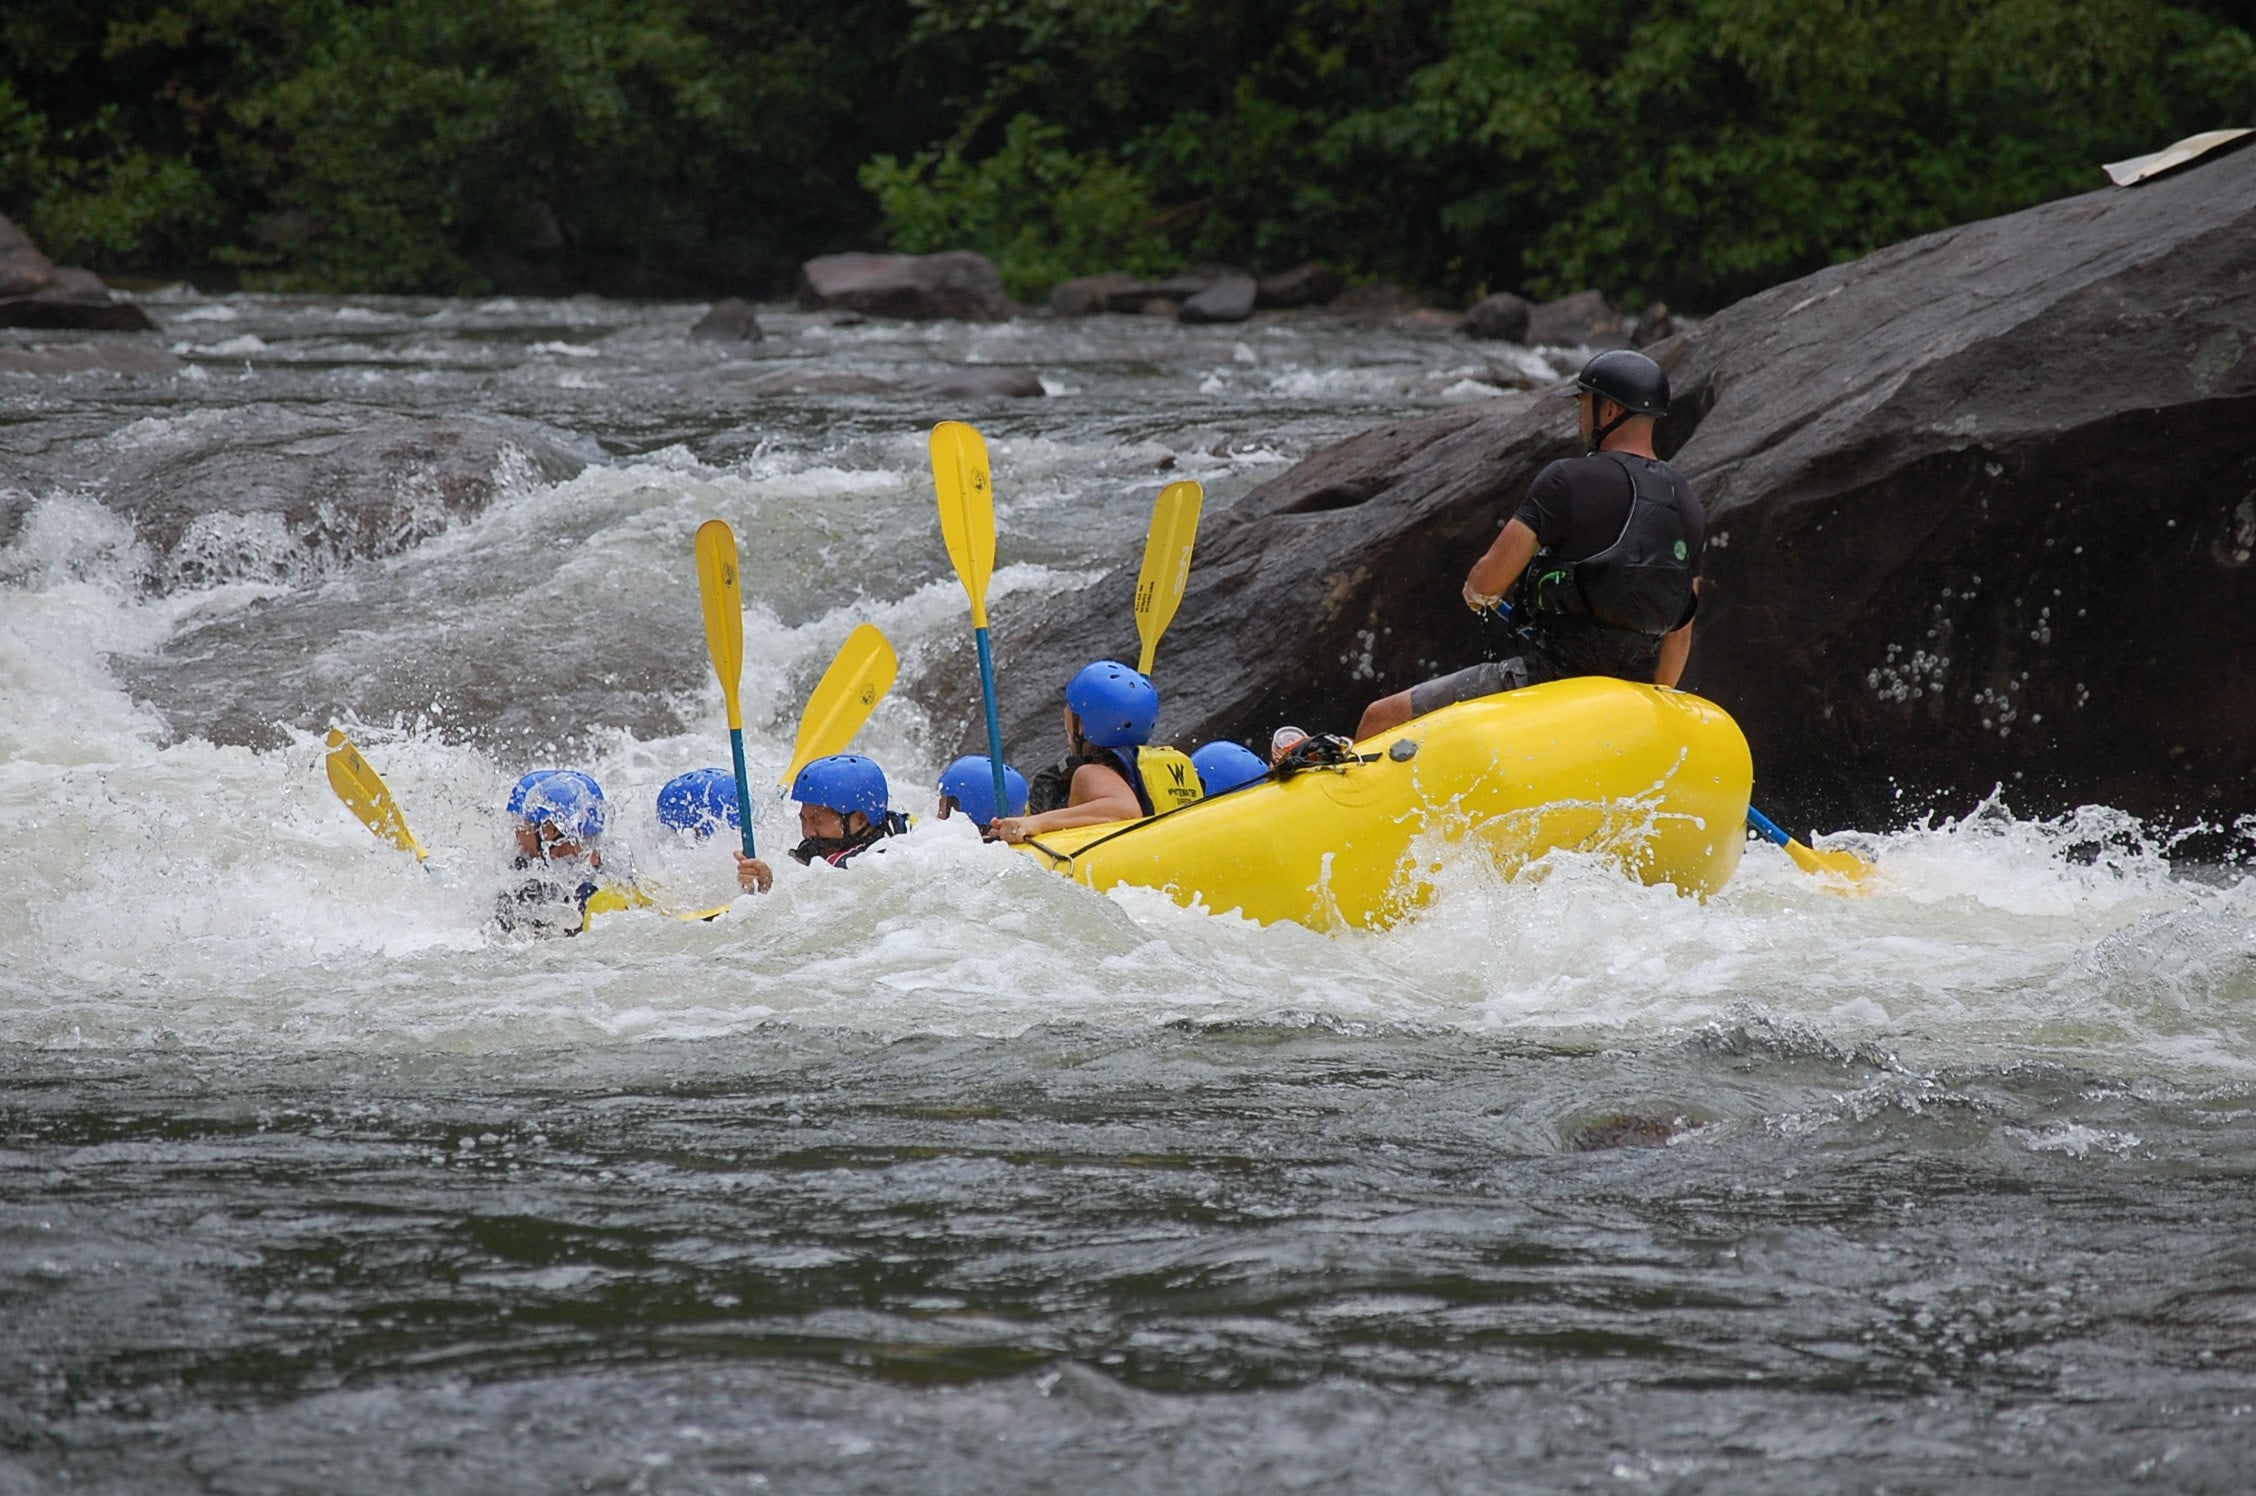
x=366 y=795
x=717 y=589
x=967 y=524
x=1837 y=863
x=851 y=688
x=1167 y=563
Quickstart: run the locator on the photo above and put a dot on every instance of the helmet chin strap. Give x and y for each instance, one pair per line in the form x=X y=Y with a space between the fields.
x=1599 y=434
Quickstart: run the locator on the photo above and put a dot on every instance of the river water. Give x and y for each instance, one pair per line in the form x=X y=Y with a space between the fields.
x=938 y=1173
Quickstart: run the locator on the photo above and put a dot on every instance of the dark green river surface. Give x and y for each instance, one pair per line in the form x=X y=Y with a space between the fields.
x=938 y=1173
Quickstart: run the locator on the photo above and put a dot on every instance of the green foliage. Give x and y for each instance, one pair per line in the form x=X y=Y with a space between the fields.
x=1041 y=212
x=1688 y=149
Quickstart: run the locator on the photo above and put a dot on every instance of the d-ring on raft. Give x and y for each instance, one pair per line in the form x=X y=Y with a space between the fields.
x=1656 y=779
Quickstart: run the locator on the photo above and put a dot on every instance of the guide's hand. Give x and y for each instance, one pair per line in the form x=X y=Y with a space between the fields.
x=1480 y=602
x=1009 y=828
x=752 y=875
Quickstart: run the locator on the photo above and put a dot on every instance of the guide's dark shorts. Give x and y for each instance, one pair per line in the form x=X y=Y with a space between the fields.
x=1463 y=685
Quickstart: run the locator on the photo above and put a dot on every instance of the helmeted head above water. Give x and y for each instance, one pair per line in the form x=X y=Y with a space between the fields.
x=569 y=805
x=1223 y=767
x=970 y=782
x=1118 y=707
x=700 y=802
x=844 y=782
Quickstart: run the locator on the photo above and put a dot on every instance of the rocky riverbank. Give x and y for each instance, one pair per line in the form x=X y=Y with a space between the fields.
x=1983 y=507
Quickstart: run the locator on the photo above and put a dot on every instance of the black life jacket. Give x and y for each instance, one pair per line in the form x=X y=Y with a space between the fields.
x=839 y=850
x=1641 y=584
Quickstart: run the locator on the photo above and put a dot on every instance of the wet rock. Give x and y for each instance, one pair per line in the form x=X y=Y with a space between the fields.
x=957 y=284
x=1581 y=320
x=1654 y=325
x=23 y=269
x=1229 y=299
x=1501 y=318
x=730 y=321
x=1982 y=512
x=1088 y=295
x=82 y=358
x=1312 y=284
x=35 y=292
x=1625 y=1130
x=274 y=493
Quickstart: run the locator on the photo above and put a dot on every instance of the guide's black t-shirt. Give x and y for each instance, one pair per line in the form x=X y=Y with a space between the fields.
x=1578 y=505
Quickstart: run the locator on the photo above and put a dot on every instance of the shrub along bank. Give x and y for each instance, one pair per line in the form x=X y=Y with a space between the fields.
x=1692 y=150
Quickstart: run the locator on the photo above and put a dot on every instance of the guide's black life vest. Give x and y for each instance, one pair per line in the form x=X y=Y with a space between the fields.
x=1642 y=583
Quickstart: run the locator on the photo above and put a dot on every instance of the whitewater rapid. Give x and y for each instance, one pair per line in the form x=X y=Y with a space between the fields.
x=162 y=888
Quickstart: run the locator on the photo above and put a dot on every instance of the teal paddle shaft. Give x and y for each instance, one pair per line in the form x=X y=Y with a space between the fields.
x=994 y=717
x=743 y=791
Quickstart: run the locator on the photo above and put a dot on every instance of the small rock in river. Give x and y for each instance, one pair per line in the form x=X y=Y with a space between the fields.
x=729 y=321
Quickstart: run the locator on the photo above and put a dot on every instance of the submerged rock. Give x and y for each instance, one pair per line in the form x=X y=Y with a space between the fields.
x=277 y=493
x=957 y=284
x=1501 y=318
x=730 y=321
x=35 y=292
x=957 y=384
x=1982 y=511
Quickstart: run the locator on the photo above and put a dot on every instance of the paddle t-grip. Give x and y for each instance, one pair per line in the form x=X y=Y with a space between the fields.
x=994 y=716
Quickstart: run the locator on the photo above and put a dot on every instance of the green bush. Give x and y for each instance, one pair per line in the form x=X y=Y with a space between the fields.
x=1688 y=149
x=1040 y=211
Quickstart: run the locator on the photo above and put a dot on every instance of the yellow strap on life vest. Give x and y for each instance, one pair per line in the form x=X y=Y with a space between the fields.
x=1168 y=778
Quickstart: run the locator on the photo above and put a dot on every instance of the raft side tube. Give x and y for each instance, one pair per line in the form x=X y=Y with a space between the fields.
x=1655 y=778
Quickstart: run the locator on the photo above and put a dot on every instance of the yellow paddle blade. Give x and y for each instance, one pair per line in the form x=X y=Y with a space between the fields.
x=367 y=796
x=967 y=509
x=718 y=590
x=1837 y=863
x=851 y=689
x=1167 y=563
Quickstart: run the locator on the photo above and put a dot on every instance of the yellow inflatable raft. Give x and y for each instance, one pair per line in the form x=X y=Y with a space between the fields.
x=1656 y=778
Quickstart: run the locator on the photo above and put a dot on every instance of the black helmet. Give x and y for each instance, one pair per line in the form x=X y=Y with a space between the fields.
x=1629 y=379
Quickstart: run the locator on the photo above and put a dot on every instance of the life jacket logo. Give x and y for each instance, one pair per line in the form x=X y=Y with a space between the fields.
x=1682 y=551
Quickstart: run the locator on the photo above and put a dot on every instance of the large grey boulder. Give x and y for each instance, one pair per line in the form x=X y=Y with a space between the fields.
x=958 y=284
x=1982 y=512
x=35 y=292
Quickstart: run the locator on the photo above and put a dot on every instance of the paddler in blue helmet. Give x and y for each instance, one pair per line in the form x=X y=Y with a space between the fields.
x=559 y=820
x=968 y=785
x=845 y=808
x=700 y=803
x=1114 y=771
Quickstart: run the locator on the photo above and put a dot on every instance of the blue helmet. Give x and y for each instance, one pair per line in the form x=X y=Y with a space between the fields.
x=569 y=801
x=524 y=786
x=970 y=782
x=1223 y=767
x=1118 y=708
x=844 y=782
x=701 y=801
